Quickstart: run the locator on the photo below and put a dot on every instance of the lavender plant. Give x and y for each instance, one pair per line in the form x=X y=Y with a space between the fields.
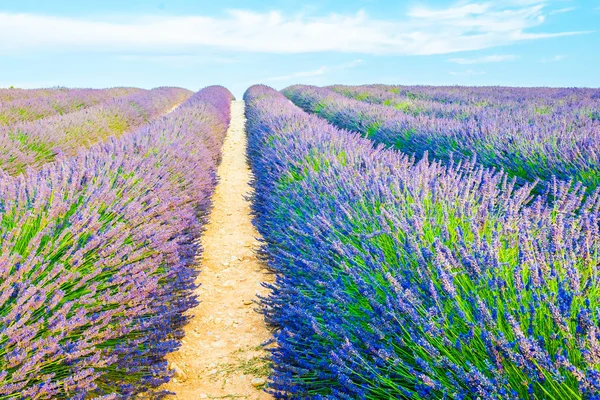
x=32 y=144
x=477 y=96
x=537 y=135
x=397 y=279
x=18 y=105
x=96 y=257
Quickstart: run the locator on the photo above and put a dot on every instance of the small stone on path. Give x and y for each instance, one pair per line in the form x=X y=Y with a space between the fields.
x=257 y=382
x=179 y=372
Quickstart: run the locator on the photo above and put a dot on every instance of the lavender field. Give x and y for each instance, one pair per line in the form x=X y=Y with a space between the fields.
x=97 y=248
x=408 y=242
x=534 y=134
x=427 y=278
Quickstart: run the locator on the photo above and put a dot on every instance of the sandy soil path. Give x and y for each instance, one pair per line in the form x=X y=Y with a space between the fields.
x=222 y=354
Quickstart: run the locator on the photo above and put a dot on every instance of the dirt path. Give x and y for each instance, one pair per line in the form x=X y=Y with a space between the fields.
x=222 y=354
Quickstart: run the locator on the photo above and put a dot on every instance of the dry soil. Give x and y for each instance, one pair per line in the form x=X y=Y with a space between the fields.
x=222 y=354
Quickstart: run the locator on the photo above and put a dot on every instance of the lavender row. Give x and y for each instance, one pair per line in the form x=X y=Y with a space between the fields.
x=522 y=142
x=32 y=144
x=97 y=258
x=8 y=95
x=479 y=96
x=16 y=95
x=18 y=105
x=420 y=281
x=537 y=106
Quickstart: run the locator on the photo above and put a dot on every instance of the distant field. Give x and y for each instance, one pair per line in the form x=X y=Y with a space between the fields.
x=416 y=242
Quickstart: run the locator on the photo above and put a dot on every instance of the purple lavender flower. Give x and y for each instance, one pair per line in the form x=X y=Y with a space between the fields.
x=96 y=256
x=404 y=279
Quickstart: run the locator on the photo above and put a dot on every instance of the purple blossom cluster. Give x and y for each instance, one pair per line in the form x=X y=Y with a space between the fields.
x=97 y=257
x=31 y=144
x=19 y=105
x=532 y=134
x=418 y=280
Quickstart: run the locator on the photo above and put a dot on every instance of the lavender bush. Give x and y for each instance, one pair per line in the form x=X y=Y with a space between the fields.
x=18 y=105
x=96 y=257
x=397 y=279
x=538 y=134
x=33 y=144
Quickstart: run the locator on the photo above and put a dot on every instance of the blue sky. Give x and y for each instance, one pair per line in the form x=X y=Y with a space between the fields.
x=279 y=42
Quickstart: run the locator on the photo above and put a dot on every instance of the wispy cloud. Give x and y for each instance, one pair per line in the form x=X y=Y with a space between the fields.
x=312 y=73
x=452 y=13
x=556 y=58
x=468 y=72
x=484 y=59
x=562 y=10
x=463 y=27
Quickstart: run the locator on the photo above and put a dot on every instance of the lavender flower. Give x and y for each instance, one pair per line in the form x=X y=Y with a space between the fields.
x=530 y=133
x=96 y=256
x=404 y=279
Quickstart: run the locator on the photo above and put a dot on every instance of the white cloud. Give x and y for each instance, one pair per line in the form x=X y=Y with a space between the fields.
x=451 y=13
x=316 y=72
x=351 y=64
x=556 y=58
x=468 y=72
x=562 y=10
x=464 y=27
x=484 y=59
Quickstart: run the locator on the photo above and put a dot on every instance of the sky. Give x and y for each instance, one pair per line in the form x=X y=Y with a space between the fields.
x=193 y=44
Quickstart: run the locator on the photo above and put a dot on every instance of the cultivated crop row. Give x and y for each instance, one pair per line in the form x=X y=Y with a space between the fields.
x=96 y=256
x=8 y=96
x=32 y=144
x=527 y=139
x=404 y=280
x=477 y=96
x=17 y=105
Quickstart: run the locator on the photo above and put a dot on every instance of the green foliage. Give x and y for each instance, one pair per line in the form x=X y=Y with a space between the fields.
x=542 y=110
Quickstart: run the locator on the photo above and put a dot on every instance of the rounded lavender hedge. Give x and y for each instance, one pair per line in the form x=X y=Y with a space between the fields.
x=96 y=257
x=420 y=281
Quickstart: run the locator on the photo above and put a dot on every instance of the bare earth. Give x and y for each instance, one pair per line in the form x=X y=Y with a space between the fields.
x=222 y=354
